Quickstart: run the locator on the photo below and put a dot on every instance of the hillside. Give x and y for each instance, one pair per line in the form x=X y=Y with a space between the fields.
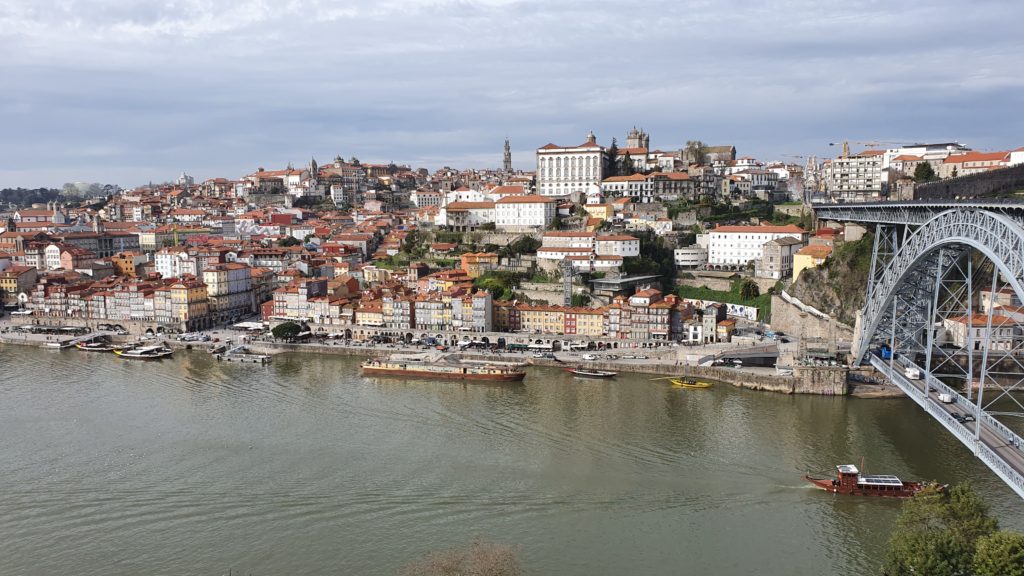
x=838 y=286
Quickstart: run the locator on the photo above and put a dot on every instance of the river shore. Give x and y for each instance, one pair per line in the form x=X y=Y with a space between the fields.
x=669 y=361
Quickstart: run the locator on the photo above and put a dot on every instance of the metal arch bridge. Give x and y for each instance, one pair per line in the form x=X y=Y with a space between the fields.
x=945 y=296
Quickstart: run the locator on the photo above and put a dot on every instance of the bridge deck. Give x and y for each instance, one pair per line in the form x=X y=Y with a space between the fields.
x=996 y=445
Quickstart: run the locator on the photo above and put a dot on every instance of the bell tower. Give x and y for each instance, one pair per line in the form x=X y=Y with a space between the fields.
x=507 y=164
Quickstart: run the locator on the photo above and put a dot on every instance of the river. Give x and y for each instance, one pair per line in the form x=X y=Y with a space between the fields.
x=189 y=466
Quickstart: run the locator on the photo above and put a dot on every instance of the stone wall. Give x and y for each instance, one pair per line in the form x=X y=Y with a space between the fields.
x=827 y=381
x=503 y=238
x=993 y=182
x=722 y=284
x=789 y=318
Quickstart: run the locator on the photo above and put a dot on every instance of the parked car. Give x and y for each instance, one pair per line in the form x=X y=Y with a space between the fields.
x=589 y=357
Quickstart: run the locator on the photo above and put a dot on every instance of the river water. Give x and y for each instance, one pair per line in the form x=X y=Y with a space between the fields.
x=189 y=466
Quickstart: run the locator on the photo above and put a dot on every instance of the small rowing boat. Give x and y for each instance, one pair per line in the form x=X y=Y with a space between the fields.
x=587 y=373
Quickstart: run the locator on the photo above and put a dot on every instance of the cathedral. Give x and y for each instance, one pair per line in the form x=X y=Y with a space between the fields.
x=638 y=139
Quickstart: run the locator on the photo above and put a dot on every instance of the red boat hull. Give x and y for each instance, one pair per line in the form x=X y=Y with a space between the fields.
x=907 y=490
x=515 y=377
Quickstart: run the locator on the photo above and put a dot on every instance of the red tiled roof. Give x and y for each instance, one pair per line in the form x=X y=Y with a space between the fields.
x=977 y=157
x=787 y=229
x=526 y=199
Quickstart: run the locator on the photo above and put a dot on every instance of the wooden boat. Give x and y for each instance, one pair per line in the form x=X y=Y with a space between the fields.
x=444 y=368
x=849 y=480
x=98 y=346
x=588 y=373
x=145 y=352
x=59 y=345
x=690 y=383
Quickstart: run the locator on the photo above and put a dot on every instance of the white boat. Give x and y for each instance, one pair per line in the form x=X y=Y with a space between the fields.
x=145 y=352
x=59 y=344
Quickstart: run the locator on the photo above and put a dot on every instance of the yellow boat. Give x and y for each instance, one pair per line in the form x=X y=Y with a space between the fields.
x=689 y=383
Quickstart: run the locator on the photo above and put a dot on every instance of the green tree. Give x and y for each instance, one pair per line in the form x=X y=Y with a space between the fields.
x=1000 y=554
x=937 y=531
x=286 y=330
x=696 y=151
x=749 y=289
x=613 y=159
x=520 y=246
x=581 y=300
x=924 y=173
x=627 y=168
x=288 y=241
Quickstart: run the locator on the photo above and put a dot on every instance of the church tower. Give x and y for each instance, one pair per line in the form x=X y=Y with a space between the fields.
x=508 y=157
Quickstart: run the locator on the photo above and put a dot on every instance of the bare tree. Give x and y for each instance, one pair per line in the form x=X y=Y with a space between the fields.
x=480 y=559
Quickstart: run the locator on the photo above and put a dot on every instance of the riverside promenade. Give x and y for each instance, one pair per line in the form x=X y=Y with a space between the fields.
x=664 y=360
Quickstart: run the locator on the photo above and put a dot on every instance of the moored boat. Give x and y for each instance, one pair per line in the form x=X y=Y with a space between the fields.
x=443 y=367
x=849 y=480
x=95 y=346
x=588 y=373
x=145 y=352
x=690 y=383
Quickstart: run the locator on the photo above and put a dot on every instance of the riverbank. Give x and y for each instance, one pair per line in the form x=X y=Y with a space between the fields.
x=815 y=380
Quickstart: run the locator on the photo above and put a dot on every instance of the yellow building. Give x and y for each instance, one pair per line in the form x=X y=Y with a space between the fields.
x=602 y=211
x=542 y=319
x=584 y=321
x=14 y=281
x=184 y=303
x=476 y=264
x=125 y=263
x=809 y=257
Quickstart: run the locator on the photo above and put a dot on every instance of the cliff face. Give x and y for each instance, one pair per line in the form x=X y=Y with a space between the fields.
x=838 y=287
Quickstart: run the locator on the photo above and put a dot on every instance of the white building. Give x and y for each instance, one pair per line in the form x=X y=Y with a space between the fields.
x=740 y=245
x=857 y=177
x=568 y=239
x=624 y=246
x=964 y=332
x=637 y=187
x=424 y=198
x=464 y=215
x=522 y=213
x=690 y=257
x=562 y=171
x=1017 y=156
x=174 y=262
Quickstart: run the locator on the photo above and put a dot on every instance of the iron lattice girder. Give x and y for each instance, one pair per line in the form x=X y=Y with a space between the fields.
x=997 y=236
x=917 y=212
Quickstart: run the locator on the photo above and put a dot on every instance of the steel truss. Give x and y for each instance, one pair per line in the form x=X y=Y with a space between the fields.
x=947 y=299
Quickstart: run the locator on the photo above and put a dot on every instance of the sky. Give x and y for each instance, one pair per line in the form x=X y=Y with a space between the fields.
x=128 y=92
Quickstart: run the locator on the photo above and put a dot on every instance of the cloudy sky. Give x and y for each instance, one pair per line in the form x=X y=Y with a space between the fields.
x=127 y=91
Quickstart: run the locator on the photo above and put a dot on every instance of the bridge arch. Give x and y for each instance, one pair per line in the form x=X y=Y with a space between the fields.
x=998 y=237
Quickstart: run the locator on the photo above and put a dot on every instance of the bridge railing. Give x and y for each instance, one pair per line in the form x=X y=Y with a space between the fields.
x=961 y=401
x=994 y=461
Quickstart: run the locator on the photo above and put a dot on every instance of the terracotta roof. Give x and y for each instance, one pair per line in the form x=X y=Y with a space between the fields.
x=977 y=157
x=815 y=251
x=526 y=199
x=569 y=234
x=981 y=320
x=486 y=205
x=787 y=229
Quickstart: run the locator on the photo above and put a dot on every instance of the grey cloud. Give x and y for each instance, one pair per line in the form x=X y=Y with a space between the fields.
x=218 y=88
